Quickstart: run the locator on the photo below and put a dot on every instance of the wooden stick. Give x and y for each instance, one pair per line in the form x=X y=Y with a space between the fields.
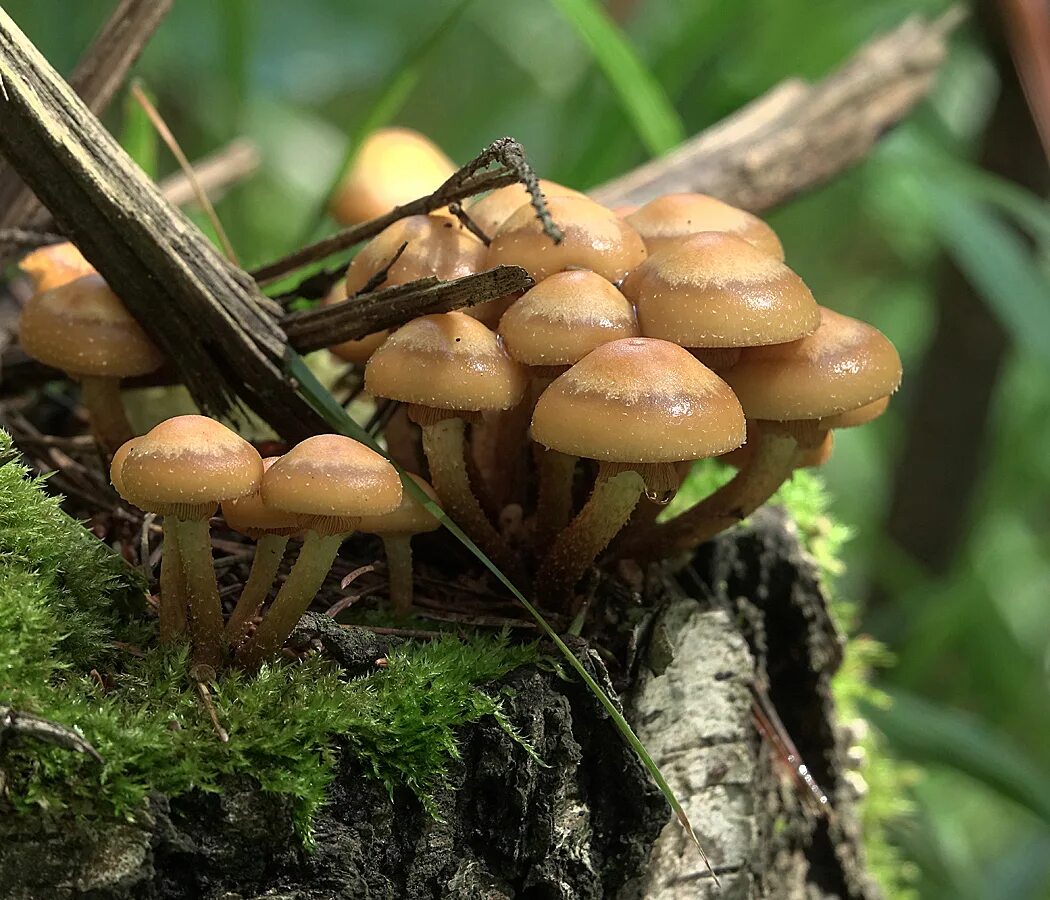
x=799 y=135
x=96 y=78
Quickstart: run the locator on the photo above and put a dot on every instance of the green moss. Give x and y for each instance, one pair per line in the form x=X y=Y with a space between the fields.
x=64 y=601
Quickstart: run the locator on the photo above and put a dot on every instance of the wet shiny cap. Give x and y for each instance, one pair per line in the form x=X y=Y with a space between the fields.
x=666 y=220
x=189 y=460
x=393 y=166
x=564 y=318
x=82 y=328
x=54 y=265
x=639 y=400
x=116 y=476
x=716 y=290
x=843 y=365
x=437 y=246
x=411 y=517
x=445 y=361
x=492 y=210
x=251 y=515
x=330 y=476
x=353 y=351
x=595 y=238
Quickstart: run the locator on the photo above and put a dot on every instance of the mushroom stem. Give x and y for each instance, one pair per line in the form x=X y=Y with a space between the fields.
x=101 y=395
x=293 y=599
x=444 y=445
x=398 y=548
x=554 y=503
x=771 y=465
x=608 y=508
x=269 y=551
x=172 y=586
x=202 y=592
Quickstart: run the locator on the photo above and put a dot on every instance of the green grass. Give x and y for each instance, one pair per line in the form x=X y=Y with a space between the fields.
x=64 y=596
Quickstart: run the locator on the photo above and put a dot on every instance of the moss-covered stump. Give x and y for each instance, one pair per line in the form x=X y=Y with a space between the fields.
x=577 y=824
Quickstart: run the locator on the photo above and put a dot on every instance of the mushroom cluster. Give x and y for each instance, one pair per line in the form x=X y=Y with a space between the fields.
x=653 y=337
x=320 y=491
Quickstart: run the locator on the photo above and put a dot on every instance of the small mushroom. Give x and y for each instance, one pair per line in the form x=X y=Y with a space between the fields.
x=450 y=368
x=793 y=391
x=393 y=166
x=82 y=328
x=54 y=265
x=492 y=210
x=270 y=528
x=396 y=529
x=550 y=328
x=715 y=294
x=329 y=482
x=638 y=406
x=665 y=221
x=594 y=238
x=182 y=469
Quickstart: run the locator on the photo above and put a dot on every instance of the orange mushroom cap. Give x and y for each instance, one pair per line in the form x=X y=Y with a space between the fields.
x=666 y=220
x=639 y=400
x=411 y=517
x=54 y=265
x=594 y=238
x=492 y=210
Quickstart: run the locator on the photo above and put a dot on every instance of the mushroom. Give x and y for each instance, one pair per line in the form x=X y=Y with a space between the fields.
x=550 y=328
x=358 y=350
x=492 y=210
x=270 y=528
x=182 y=469
x=450 y=368
x=54 y=265
x=663 y=222
x=329 y=482
x=795 y=391
x=396 y=529
x=806 y=458
x=172 y=608
x=714 y=294
x=393 y=166
x=594 y=238
x=83 y=329
x=637 y=406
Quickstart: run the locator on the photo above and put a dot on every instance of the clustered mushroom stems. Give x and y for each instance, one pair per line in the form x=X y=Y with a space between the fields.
x=315 y=559
x=269 y=551
x=554 y=498
x=105 y=406
x=172 y=606
x=203 y=604
x=444 y=444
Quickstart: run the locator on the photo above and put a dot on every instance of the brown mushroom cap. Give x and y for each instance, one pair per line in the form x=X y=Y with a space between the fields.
x=411 y=517
x=564 y=318
x=189 y=460
x=250 y=514
x=639 y=400
x=116 y=464
x=437 y=246
x=716 y=290
x=393 y=166
x=843 y=365
x=332 y=476
x=859 y=416
x=52 y=266
x=492 y=210
x=666 y=220
x=82 y=328
x=595 y=238
x=445 y=361
x=353 y=351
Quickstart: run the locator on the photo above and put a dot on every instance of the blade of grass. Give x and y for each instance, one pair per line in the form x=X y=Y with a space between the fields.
x=646 y=105
x=392 y=98
x=935 y=734
x=138 y=136
x=997 y=262
x=138 y=92
x=333 y=413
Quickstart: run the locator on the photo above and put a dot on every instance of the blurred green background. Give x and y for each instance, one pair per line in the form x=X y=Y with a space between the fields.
x=940 y=239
